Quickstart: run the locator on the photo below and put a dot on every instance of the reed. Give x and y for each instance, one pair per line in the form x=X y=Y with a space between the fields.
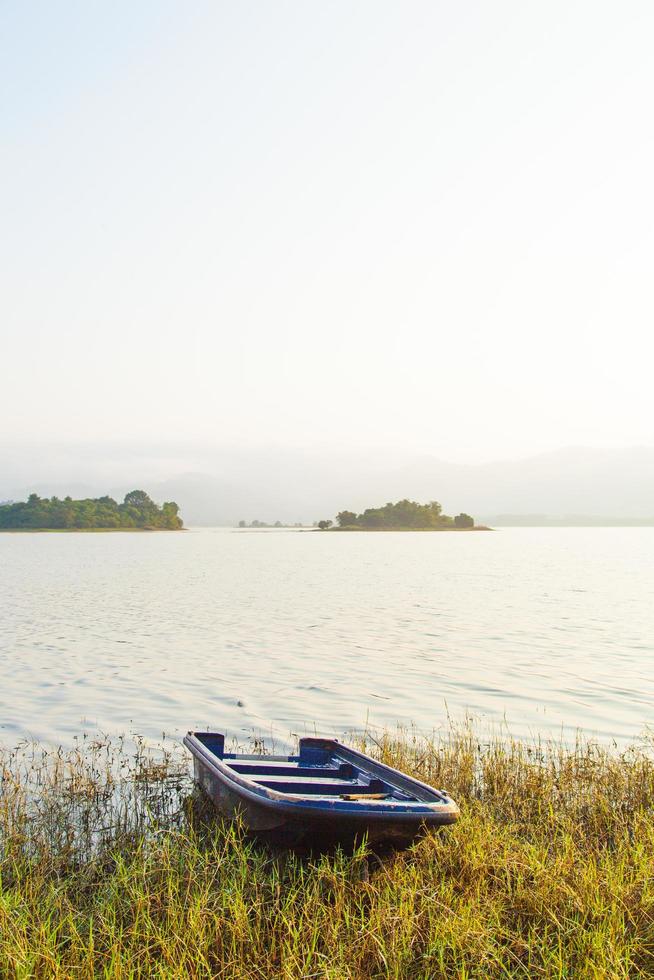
x=109 y=868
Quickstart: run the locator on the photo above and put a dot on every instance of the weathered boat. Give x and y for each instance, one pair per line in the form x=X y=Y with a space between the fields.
x=327 y=794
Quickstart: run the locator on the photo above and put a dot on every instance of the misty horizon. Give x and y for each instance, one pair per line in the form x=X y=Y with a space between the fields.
x=225 y=485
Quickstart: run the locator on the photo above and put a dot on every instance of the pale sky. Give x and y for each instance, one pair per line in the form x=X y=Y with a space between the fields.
x=365 y=223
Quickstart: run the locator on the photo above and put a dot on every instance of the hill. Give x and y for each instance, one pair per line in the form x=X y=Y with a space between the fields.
x=292 y=486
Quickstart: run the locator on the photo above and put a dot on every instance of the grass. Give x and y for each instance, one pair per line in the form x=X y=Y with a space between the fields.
x=109 y=869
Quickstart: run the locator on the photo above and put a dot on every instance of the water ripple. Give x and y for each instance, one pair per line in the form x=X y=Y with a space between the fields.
x=548 y=629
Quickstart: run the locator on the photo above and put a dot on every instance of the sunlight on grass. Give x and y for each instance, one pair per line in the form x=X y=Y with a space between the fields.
x=110 y=868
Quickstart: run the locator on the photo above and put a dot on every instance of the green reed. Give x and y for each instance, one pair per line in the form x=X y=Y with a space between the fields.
x=110 y=867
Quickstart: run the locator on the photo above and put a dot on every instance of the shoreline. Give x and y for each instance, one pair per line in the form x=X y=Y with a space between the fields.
x=84 y=530
x=417 y=530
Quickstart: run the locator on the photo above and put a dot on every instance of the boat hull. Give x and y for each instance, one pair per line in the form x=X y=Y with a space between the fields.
x=288 y=830
x=317 y=823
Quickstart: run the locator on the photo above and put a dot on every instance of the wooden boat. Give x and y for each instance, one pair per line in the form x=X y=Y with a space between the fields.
x=325 y=795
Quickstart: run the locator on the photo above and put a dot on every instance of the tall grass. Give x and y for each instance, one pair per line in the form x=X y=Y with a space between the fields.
x=107 y=869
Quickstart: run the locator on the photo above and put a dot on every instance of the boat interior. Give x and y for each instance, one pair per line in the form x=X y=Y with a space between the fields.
x=316 y=771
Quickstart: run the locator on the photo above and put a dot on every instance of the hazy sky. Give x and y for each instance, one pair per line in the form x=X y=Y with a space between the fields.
x=427 y=225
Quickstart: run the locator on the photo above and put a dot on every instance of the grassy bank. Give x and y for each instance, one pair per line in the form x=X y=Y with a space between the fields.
x=108 y=870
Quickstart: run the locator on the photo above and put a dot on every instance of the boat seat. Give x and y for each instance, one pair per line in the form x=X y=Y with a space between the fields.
x=342 y=771
x=319 y=785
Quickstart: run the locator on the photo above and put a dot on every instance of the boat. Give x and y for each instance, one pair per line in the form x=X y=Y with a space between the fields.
x=327 y=794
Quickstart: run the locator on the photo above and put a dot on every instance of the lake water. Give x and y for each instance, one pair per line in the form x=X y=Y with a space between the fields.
x=282 y=633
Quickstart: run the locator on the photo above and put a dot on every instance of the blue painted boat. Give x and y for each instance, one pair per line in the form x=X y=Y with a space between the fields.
x=327 y=794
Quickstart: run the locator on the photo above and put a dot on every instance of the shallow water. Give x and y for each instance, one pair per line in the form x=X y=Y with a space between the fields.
x=282 y=633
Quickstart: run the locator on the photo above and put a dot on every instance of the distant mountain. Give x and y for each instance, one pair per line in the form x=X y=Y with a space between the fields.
x=571 y=520
x=225 y=486
x=592 y=483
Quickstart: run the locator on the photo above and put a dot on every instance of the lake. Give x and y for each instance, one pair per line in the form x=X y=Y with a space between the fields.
x=278 y=633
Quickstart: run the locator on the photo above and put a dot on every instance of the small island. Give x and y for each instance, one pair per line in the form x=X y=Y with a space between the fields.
x=136 y=513
x=405 y=515
x=259 y=525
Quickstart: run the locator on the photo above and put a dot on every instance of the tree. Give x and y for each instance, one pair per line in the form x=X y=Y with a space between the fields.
x=323 y=525
x=137 y=498
x=372 y=517
x=170 y=515
x=138 y=510
x=407 y=514
x=464 y=520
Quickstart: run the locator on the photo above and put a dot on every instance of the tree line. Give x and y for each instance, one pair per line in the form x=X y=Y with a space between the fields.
x=50 y=513
x=403 y=514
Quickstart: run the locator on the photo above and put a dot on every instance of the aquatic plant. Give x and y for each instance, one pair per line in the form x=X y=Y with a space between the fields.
x=110 y=867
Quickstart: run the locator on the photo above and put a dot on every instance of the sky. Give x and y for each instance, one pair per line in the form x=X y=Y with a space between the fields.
x=372 y=225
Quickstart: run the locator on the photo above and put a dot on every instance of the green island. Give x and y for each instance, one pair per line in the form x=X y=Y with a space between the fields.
x=405 y=515
x=136 y=513
x=110 y=867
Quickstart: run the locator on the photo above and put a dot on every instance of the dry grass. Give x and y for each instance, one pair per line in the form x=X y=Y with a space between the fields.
x=106 y=871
